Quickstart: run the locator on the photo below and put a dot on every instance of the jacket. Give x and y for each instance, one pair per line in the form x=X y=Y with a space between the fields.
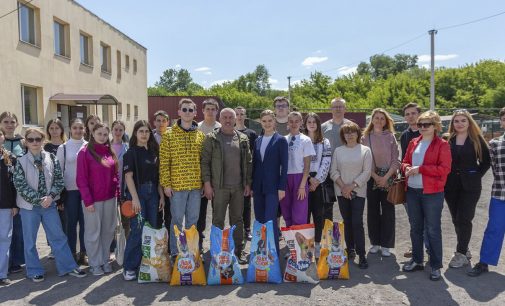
x=7 y=190
x=96 y=181
x=15 y=145
x=271 y=173
x=212 y=161
x=436 y=164
x=180 y=152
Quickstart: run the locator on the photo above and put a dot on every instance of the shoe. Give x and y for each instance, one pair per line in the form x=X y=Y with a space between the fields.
x=241 y=257
x=5 y=282
x=317 y=250
x=468 y=255
x=96 y=271
x=129 y=275
x=374 y=249
x=15 y=269
x=478 y=269
x=363 y=263
x=458 y=260
x=107 y=268
x=82 y=259
x=38 y=278
x=248 y=235
x=385 y=252
x=351 y=254
x=412 y=266
x=408 y=254
x=435 y=274
x=51 y=255
x=77 y=273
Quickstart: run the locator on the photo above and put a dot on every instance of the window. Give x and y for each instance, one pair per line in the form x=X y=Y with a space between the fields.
x=29 y=24
x=135 y=112
x=127 y=62
x=61 y=38
x=127 y=111
x=119 y=109
x=134 y=66
x=29 y=100
x=105 y=58
x=105 y=114
x=118 y=63
x=86 y=49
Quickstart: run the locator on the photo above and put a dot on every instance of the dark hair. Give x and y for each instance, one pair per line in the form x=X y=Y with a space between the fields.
x=411 y=104
x=92 y=142
x=74 y=121
x=210 y=101
x=502 y=112
x=186 y=101
x=87 y=132
x=349 y=128
x=60 y=125
x=319 y=133
x=152 y=144
x=281 y=99
x=161 y=113
x=121 y=123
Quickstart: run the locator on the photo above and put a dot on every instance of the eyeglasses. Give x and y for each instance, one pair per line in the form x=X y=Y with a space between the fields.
x=337 y=107
x=32 y=140
x=281 y=106
x=292 y=141
x=185 y=110
x=424 y=125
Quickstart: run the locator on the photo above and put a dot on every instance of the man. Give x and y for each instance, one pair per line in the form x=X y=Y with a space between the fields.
x=210 y=108
x=227 y=174
x=281 y=106
x=331 y=131
x=251 y=135
x=180 y=175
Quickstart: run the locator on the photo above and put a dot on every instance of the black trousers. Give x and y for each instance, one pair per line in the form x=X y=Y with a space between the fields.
x=247 y=214
x=354 y=232
x=462 y=204
x=202 y=220
x=380 y=217
x=316 y=209
x=328 y=211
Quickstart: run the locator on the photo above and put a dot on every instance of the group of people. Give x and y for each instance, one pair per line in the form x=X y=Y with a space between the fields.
x=296 y=168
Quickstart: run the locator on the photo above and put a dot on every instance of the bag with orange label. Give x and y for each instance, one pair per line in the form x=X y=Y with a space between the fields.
x=333 y=262
x=263 y=262
x=224 y=268
x=188 y=267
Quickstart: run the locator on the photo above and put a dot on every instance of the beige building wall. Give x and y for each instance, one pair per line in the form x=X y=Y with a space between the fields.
x=38 y=66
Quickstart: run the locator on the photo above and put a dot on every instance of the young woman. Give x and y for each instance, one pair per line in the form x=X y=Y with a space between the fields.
x=39 y=181
x=379 y=137
x=470 y=161
x=67 y=156
x=8 y=207
x=97 y=181
x=270 y=169
x=350 y=170
x=319 y=167
x=426 y=166
x=89 y=124
x=141 y=168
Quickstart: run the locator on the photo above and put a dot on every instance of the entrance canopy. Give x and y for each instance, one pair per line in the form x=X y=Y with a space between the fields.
x=85 y=99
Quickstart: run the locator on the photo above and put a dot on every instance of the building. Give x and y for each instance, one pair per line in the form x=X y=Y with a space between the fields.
x=58 y=59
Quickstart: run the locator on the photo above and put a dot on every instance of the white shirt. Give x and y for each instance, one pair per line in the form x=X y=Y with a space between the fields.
x=416 y=181
x=298 y=148
x=69 y=164
x=265 y=140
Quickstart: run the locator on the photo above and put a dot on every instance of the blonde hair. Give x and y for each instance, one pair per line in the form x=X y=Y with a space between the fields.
x=267 y=112
x=389 y=122
x=433 y=117
x=35 y=130
x=295 y=114
x=474 y=132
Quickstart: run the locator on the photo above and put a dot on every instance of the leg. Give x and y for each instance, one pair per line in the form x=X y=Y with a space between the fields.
x=167 y=216
x=5 y=240
x=286 y=203
x=328 y=211
x=358 y=231
x=432 y=205
x=416 y=220
x=346 y=211
x=493 y=236
x=202 y=219
x=271 y=208
x=72 y=206
x=193 y=208
x=387 y=221
x=316 y=200
x=109 y=223
x=464 y=219
x=31 y=222
x=259 y=207
x=235 y=214
x=247 y=214
x=17 y=254
x=220 y=205
x=299 y=207
x=92 y=234
x=373 y=214
x=177 y=210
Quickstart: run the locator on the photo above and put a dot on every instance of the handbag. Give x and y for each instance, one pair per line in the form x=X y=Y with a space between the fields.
x=396 y=192
x=120 y=240
x=328 y=191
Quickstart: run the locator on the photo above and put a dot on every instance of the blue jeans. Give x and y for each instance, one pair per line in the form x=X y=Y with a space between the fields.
x=50 y=219
x=425 y=214
x=17 y=255
x=495 y=231
x=184 y=203
x=265 y=209
x=149 y=201
x=74 y=215
x=5 y=240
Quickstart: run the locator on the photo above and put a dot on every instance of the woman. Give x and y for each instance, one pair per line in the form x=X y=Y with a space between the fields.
x=270 y=172
x=39 y=181
x=470 y=161
x=8 y=207
x=141 y=169
x=97 y=180
x=89 y=124
x=319 y=168
x=426 y=166
x=379 y=137
x=67 y=157
x=350 y=170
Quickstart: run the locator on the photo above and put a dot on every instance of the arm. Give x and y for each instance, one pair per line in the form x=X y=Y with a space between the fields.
x=248 y=172
x=283 y=151
x=492 y=155
x=165 y=159
x=486 y=159
x=82 y=178
x=335 y=171
x=324 y=167
x=443 y=165
x=206 y=160
x=303 y=183
x=58 y=183
x=133 y=191
x=162 y=198
x=28 y=194
x=407 y=159
x=364 y=176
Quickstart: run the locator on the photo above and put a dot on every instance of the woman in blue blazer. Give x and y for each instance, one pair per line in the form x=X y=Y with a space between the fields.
x=270 y=172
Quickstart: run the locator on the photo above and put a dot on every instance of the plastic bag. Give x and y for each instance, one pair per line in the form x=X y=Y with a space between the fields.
x=155 y=264
x=224 y=268
x=301 y=265
x=120 y=240
x=264 y=262
x=188 y=267
x=333 y=262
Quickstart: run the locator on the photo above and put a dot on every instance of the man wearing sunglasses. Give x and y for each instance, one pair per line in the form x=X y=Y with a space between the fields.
x=180 y=174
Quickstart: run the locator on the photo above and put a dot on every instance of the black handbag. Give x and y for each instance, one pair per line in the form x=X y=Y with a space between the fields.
x=328 y=191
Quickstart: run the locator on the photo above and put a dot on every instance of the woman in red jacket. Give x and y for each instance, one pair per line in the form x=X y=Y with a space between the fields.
x=426 y=166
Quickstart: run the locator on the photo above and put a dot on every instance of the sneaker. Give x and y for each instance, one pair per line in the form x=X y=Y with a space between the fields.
x=15 y=269
x=458 y=260
x=51 y=255
x=241 y=257
x=478 y=269
x=38 y=278
x=5 y=282
x=412 y=266
x=374 y=249
x=107 y=268
x=82 y=259
x=77 y=273
x=351 y=254
x=248 y=235
x=129 y=275
x=385 y=252
x=408 y=254
x=96 y=271
x=317 y=250
x=435 y=274
x=468 y=255
x=363 y=263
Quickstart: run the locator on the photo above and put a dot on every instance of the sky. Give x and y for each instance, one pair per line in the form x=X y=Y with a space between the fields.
x=223 y=39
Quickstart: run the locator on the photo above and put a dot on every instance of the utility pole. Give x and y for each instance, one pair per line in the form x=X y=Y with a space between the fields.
x=432 y=79
x=289 y=89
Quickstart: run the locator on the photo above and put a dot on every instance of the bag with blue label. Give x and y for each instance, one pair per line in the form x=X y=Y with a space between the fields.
x=333 y=262
x=224 y=268
x=264 y=264
x=300 y=265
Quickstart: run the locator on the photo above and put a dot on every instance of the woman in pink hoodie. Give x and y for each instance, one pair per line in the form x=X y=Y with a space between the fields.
x=97 y=180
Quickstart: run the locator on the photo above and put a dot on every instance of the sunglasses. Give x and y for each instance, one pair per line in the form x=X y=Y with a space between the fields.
x=292 y=141
x=185 y=110
x=424 y=125
x=32 y=140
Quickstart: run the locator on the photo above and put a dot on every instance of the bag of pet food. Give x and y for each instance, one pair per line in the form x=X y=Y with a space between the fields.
x=188 y=267
x=333 y=262
x=301 y=265
x=224 y=268
x=263 y=262
x=155 y=264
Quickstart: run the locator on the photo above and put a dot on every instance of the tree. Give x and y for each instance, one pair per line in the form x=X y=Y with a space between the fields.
x=255 y=82
x=174 y=80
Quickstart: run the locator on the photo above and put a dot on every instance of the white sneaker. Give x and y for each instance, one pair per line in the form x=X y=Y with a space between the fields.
x=468 y=255
x=107 y=268
x=385 y=252
x=129 y=275
x=317 y=250
x=96 y=271
x=458 y=260
x=374 y=249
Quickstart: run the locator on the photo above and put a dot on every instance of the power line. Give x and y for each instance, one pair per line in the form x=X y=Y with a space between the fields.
x=470 y=22
x=14 y=10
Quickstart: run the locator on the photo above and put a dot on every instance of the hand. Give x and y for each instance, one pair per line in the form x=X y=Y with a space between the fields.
x=247 y=191
x=347 y=189
x=136 y=205
x=208 y=191
x=90 y=208
x=380 y=181
x=46 y=201
x=313 y=183
x=412 y=171
x=281 y=194
x=168 y=191
x=60 y=207
x=301 y=193
x=162 y=204
x=14 y=211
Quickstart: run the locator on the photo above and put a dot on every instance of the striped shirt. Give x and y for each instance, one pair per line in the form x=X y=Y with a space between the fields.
x=497 y=152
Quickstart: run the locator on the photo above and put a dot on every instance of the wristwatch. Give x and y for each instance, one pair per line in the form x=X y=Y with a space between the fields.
x=355 y=185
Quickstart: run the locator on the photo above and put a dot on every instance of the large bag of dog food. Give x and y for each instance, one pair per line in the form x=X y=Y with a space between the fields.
x=155 y=264
x=188 y=267
x=301 y=265
x=333 y=262
x=263 y=262
x=224 y=268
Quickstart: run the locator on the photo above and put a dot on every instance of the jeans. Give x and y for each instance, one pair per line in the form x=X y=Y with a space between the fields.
x=425 y=211
x=316 y=209
x=50 y=220
x=380 y=217
x=5 y=240
x=149 y=201
x=183 y=204
x=265 y=209
x=352 y=213
x=17 y=255
x=493 y=236
x=74 y=215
